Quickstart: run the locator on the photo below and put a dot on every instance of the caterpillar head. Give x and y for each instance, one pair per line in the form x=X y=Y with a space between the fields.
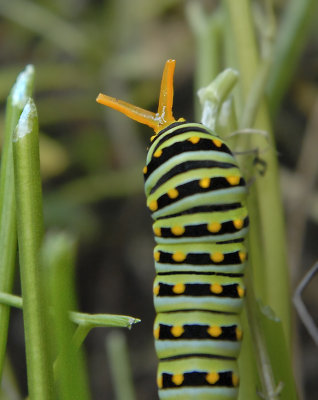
x=157 y=121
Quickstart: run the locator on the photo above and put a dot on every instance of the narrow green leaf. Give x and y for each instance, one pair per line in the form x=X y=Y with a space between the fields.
x=103 y=320
x=17 y=99
x=30 y=233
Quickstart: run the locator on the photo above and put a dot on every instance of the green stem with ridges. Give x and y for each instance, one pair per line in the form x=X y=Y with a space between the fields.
x=30 y=233
x=267 y=233
x=8 y=237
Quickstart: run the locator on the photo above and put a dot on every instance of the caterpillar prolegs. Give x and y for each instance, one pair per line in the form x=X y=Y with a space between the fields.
x=196 y=195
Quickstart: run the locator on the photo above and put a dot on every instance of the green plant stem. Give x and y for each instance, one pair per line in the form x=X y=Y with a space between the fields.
x=268 y=254
x=207 y=32
x=103 y=320
x=86 y=322
x=256 y=92
x=11 y=300
x=30 y=234
x=80 y=335
x=291 y=39
x=249 y=379
x=82 y=319
x=256 y=95
x=58 y=262
x=117 y=351
x=265 y=370
x=212 y=97
x=8 y=237
x=227 y=121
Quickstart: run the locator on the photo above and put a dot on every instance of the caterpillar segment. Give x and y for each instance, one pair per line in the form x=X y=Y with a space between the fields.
x=197 y=198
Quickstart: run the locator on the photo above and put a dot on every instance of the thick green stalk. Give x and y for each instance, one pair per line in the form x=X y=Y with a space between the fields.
x=267 y=234
x=291 y=39
x=8 y=238
x=30 y=234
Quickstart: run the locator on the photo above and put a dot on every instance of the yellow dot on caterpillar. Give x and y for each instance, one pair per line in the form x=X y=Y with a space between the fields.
x=212 y=377
x=217 y=142
x=156 y=333
x=217 y=257
x=173 y=193
x=177 y=230
x=194 y=139
x=216 y=288
x=178 y=256
x=179 y=288
x=157 y=153
x=240 y=291
x=214 y=227
x=233 y=180
x=156 y=290
x=157 y=230
x=156 y=255
x=242 y=255
x=204 y=182
x=235 y=379
x=177 y=330
x=238 y=223
x=177 y=379
x=153 y=205
x=239 y=333
x=145 y=169
x=159 y=382
x=214 y=331
x=152 y=138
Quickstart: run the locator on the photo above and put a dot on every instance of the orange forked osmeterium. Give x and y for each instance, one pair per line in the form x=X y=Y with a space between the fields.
x=157 y=121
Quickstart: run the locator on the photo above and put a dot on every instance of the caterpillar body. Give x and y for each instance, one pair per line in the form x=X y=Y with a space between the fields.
x=196 y=195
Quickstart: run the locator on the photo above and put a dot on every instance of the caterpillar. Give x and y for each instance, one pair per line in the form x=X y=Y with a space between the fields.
x=196 y=195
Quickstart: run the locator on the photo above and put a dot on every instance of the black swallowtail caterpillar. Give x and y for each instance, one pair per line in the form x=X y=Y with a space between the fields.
x=196 y=195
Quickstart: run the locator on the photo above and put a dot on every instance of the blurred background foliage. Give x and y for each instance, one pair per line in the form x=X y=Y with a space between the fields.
x=91 y=158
